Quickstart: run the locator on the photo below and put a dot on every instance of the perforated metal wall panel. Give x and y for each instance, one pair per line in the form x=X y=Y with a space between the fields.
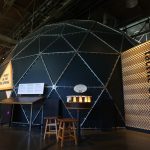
x=136 y=84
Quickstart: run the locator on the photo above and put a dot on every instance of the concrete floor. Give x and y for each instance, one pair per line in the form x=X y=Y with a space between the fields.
x=119 y=139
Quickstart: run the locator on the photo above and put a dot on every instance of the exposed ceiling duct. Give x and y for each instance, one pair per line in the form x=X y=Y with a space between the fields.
x=109 y=20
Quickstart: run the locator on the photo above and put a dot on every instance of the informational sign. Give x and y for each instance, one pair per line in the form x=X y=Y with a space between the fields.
x=31 y=88
x=6 y=79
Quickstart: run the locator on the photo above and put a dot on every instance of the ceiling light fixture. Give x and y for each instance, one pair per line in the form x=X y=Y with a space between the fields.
x=131 y=3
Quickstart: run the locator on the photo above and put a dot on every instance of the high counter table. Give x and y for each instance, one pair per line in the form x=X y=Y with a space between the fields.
x=26 y=101
x=78 y=107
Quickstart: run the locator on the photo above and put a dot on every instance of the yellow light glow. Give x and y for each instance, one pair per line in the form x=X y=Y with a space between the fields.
x=88 y=99
x=80 y=99
x=74 y=99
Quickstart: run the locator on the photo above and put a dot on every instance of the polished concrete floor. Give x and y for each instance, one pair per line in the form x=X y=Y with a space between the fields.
x=118 y=139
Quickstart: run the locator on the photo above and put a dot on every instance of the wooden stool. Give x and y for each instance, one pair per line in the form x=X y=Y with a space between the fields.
x=50 y=126
x=67 y=130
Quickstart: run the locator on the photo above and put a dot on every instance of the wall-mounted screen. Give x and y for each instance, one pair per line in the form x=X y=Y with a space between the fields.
x=31 y=88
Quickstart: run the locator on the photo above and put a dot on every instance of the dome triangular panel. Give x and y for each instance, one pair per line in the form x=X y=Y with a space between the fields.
x=60 y=45
x=78 y=73
x=18 y=65
x=32 y=48
x=21 y=46
x=37 y=74
x=75 y=39
x=113 y=87
x=53 y=104
x=71 y=29
x=104 y=29
x=93 y=44
x=54 y=29
x=55 y=67
x=46 y=41
x=114 y=40
x=102 y=114
x=105 y=66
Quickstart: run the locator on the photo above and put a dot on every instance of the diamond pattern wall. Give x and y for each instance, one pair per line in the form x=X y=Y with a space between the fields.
x=75 y=52
x=135 y=68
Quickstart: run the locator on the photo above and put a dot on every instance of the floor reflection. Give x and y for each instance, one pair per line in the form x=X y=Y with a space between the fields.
x=20 y=139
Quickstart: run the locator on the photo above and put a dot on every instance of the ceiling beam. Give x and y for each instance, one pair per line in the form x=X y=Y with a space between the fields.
x=7 y=39
x=7 y=5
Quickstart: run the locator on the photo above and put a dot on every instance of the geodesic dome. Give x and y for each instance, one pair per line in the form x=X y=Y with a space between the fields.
x=65 y=54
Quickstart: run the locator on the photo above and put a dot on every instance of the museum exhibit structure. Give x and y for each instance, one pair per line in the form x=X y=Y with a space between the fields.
x=66 y=54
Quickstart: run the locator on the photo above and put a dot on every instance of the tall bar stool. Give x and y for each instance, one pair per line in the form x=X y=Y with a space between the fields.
x=51 y=126
x=67 y=130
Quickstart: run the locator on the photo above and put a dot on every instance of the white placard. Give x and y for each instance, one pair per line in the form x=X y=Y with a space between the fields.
x=8 y=93
x=31 y=88
x=80 y=88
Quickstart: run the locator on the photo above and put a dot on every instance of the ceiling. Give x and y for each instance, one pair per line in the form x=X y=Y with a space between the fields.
x=21 y=17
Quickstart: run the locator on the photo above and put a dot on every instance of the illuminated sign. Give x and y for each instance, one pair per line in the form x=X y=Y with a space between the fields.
x=6 y=80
